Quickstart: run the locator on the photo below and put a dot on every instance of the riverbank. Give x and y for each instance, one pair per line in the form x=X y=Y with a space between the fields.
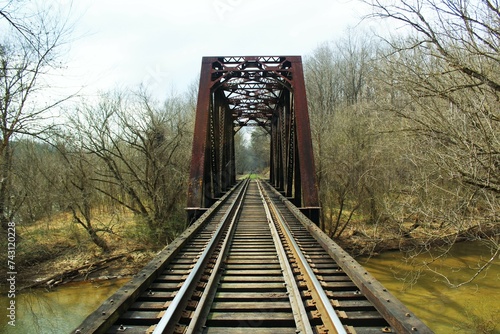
x=68 y=268
x=360 y=243
x=57 y=251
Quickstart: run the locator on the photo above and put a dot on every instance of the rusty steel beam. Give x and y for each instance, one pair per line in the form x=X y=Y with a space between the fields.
x=266 y=91
x=197 y=180
x=310 y=199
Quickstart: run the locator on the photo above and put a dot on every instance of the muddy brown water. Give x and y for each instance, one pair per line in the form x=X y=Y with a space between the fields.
x=58 y=311
x=471 y=308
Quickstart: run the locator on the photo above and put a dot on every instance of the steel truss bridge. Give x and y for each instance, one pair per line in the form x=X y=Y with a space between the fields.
x=253 y=258
x=252 y=91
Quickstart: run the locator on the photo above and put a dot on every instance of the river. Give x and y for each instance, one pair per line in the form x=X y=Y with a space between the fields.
x=58 y=311
x=471 y=308
x=444 y=309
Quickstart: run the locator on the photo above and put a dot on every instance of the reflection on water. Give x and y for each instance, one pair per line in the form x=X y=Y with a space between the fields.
x=472 y=308
x=58 y=311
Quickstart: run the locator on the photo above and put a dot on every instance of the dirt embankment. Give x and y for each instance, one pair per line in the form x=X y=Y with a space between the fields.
x=79 y=267
x=57 y=251
x=361 y=244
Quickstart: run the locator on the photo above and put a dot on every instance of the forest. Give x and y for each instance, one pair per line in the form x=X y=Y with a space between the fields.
x=405 y=127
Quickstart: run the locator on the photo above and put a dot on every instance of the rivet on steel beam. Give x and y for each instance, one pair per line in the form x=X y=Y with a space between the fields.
x=150 y=292
x=78 y=331
x=414 y=329
x=122 y=328
x=103 y=313
x=386 y=330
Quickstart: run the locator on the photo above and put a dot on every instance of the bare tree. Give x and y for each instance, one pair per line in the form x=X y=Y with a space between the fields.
x=25 y=60
x=241 y=152
x=144 y=150
x=259 y=150
x=444 y=84
x=77 y=172
x=12 y=12
x=344 y=130
x=35 y=180
x=450 y=69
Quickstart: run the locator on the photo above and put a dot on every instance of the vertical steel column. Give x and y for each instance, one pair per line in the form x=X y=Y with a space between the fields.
x=197 y=192
x=214 y=147
x=297 y=201
x=310 y=200
x=227 y=144
x=274 y=158
x=233 y=159
x=281 y=162
x=289 y=146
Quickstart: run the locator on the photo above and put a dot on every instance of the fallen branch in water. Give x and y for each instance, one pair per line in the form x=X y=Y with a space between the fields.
x=70 y=274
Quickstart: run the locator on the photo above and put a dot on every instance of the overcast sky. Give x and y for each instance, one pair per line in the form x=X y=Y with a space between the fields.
x=122 y=43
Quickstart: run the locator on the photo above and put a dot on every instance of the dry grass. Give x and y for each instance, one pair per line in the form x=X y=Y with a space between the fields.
x=57 y=243
x=362 y=237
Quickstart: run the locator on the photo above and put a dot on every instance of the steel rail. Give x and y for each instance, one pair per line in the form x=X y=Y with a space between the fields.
x=168 y=320
x=101 y=320
x=398 y=316
x=331 y=321
x=201 y=309
x=298 y=308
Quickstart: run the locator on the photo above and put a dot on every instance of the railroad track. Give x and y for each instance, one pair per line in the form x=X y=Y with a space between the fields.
x=253 y=263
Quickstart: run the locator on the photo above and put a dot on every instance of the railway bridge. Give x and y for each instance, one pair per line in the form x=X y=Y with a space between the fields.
x=253 y=258
x=252 y=91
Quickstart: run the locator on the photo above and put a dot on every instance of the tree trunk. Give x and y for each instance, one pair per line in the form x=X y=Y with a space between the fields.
x=4 y=184
x=98 y=240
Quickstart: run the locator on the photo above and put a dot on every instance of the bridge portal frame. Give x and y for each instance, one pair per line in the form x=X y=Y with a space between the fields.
x=266 y=91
